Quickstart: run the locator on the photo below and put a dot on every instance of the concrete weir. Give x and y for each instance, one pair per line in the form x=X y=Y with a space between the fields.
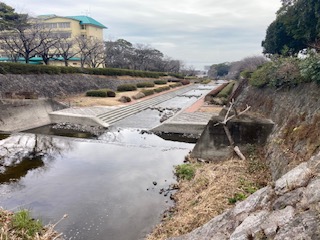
x=213 y=143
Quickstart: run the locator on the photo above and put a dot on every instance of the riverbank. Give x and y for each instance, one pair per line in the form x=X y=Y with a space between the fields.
x=20 y=225
x=214 y=188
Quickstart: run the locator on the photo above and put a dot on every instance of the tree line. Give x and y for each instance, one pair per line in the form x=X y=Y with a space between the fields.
x=27 y=37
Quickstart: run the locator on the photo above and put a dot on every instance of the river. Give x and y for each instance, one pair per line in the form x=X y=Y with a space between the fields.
x=109 y=187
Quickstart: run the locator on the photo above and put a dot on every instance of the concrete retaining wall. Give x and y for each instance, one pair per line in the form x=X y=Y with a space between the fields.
x=213 y=143
x=19 y=115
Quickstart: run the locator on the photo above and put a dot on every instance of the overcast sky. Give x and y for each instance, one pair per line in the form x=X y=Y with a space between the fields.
x=197 y=32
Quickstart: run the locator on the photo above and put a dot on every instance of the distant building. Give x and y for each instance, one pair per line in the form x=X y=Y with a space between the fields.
x=69 y=27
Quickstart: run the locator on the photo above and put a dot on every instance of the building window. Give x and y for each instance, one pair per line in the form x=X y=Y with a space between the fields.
x=83 y=26
x=64 y=25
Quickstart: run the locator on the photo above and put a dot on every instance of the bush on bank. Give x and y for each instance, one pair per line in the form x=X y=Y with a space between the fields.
x=289 y=72
x=126 y=87
x=145 y=85
x=101 y=93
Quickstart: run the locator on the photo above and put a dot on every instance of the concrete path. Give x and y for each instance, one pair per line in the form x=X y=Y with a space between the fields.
x=106 y=116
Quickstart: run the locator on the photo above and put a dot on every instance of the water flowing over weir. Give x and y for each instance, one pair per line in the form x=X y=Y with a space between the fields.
x=109 y=187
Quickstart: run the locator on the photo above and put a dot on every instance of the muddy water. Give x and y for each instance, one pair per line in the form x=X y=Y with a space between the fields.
x=109 y=187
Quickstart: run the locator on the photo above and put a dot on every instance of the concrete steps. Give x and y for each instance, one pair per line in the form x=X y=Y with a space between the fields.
x=115 y=115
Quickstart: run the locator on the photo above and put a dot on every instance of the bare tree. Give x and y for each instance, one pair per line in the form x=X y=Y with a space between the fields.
x=91 y=51
x=66 y=48
x=23 y=39
x=47 y=47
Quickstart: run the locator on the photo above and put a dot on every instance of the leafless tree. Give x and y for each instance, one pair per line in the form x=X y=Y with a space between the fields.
x=23 y=39
x=248 y=63
x=47 y=47
x=91 y=51
x=66 y=48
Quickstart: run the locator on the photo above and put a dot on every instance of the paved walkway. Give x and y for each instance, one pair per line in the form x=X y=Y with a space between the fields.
x=181 y=98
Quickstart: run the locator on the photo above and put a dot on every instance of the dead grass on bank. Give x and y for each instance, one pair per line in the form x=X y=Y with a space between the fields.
x=81 y=100
x=8 y=232
x=207 y=195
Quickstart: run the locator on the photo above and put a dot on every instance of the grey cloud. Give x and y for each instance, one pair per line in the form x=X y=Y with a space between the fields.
x=209 y=31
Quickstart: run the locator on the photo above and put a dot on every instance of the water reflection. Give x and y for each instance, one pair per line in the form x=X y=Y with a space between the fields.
x=21 y=153
x=14 y=173
x=105 y=186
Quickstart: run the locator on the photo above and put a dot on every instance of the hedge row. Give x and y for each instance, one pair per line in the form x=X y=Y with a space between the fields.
x=145 y=85
x=19 y=68
x=147 y=92
x=126 y=88
x=161 y=89
x=101 y=93
x=160 y=82
x=226 y=91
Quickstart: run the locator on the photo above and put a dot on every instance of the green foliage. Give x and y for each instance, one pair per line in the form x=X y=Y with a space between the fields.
x=226 y=91
x=126 y=87
x=280 y=72
x=310 y=68
x=295 y=28
x=19 y=68
x=161 y=89
x=246 y=74
x=205 y=81
x=237 y=197
x=145 y=85
x=147 y=92
x=22 y=221
x=185 y=171
x=160 y=82
x=179 y=84
x=101 y=93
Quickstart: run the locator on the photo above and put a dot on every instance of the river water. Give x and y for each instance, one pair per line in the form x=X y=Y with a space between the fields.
x=109 y=187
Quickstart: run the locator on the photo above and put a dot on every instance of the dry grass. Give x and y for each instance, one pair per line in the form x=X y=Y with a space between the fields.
x=206 y=196
x=81 y=100
x=8 y=232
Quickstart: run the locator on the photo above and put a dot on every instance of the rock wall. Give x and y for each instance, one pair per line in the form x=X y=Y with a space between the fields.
x=296 y=114
x=46 y=85
x=287 y=210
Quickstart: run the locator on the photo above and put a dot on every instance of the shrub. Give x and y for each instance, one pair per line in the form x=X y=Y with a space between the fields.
x=179 y=84
x=246 y=74
x=280 y=72
x=145 y=85
x=101 y=93
x=205 y=81
x=125 y=99
x=226 y=91
x=138 y=96
x=310 y=68
x=126 y=87
x=147 y=92
x=185 y=82
x=160 y=82
x=96 y=93
x=185 y=171
x=161 y=89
